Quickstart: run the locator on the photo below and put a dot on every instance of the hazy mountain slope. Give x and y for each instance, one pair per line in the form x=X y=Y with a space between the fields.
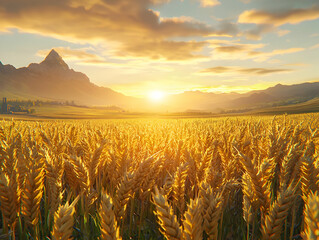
x=53 y=79
x=251 y=100
x=197 y=100
x=303 y=90
x=279 y=94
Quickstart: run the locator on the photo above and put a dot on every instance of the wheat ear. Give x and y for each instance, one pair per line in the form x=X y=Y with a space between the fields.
x=259 y=185
x=32 y=193
x=311 y=214
x=166 y=218
x=178 y=188
x=109 y=228
x=193 y=222
x=272 y=224
x=212 y=216
x=8 y=200
x=122 y=196
x=64 y=221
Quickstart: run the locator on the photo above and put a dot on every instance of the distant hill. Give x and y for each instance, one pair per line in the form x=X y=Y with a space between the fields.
x=52 y=79
x=277 y=95
x=254 y=99
x=200 y=101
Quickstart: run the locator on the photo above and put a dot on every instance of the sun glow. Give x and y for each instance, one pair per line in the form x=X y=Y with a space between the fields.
x=156 y=96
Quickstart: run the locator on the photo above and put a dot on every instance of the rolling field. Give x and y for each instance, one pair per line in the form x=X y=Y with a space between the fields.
x=242 y=177
x=86 y=113
x=305 y=107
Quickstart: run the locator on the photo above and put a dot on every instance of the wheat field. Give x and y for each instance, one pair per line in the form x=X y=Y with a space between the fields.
x=220 y=178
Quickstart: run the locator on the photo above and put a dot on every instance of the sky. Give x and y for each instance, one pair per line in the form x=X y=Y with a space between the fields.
x=170 y=46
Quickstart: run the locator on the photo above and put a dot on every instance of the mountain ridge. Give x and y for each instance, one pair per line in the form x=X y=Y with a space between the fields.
x=52 y=79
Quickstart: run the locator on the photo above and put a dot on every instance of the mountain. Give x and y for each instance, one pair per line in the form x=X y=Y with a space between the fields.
x=254 y=99
x=52 y=79
x=302 y=91
x=277 y=95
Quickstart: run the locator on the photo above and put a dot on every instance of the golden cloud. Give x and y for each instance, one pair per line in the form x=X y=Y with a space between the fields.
x=156 y=50
x=126 y=24
x=237 y=48
x=282 y=32
x=247 y=51
x=209 y=3
x=291 y=16
x=220 y=70
x=257 y=31
x=315 y=46
x=260 y=56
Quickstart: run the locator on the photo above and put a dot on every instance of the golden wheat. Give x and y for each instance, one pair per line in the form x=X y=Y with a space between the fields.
x=221 y=178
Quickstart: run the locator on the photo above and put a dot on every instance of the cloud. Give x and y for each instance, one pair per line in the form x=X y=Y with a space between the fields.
x=80 y=55
x=297 y=64
x=256 y=32
x=315 y=46
x=282 y=32
x=278 y=18
x=238 y=51
x=237 y=48
x=221 y=70
x=263 y=56
x=125 y=24
x=209 y=3
x=260 y=29
x=227 y=28
x=173 y=51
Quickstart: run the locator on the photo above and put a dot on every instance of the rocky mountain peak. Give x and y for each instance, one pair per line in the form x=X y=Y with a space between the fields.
x=53 y=59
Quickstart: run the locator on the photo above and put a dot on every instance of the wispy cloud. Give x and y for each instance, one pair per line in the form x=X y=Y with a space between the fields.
x=220 y=70
x=260 y=56
x=209 y=3
x=278 y=18
x=315 y=46
x=282 y=32
x=238 y=51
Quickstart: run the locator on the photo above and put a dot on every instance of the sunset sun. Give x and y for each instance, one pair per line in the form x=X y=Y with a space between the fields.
x=156 y=96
